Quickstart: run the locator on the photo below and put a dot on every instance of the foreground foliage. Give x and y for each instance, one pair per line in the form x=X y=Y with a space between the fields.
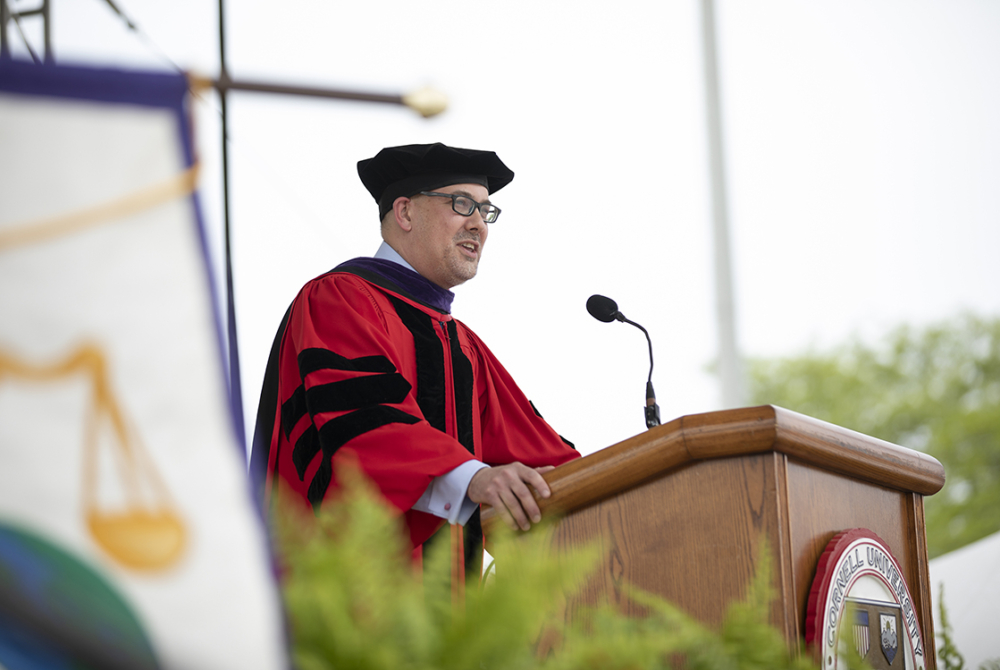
x=354 y=602
x=949 y=658
x=948 y=655
x=935 y=389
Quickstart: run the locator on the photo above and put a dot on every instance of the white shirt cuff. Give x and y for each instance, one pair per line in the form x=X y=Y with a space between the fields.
x=446 y=496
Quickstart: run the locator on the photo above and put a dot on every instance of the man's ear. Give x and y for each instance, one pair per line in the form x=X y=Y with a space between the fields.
x=402 y=210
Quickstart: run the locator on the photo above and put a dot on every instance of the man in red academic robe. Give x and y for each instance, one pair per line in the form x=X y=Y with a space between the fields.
x=369 y=365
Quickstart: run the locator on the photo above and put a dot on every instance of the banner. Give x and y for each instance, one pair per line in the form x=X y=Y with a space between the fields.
x=128 y=537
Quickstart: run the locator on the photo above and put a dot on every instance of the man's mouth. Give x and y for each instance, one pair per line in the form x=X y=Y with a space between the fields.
x=471 y=247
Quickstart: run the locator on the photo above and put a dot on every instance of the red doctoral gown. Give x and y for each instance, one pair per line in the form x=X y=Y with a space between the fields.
x=403 y=389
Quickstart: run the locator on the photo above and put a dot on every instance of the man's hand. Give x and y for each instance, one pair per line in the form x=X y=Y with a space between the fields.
x=505 y=488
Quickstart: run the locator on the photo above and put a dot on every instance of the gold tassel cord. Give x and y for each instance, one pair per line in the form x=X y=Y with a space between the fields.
x=43 y=230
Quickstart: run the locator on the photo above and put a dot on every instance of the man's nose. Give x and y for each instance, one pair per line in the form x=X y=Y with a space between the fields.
x=475 y=221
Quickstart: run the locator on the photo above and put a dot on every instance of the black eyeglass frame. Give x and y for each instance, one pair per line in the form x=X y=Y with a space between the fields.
x=477 y=205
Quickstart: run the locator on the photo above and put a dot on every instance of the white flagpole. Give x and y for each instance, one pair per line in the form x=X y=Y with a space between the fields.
x=730 y=364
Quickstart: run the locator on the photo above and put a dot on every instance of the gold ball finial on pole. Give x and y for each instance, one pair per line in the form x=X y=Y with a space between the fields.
x=426 y=101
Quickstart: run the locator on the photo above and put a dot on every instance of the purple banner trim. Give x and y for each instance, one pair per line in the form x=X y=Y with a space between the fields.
x=150 y=89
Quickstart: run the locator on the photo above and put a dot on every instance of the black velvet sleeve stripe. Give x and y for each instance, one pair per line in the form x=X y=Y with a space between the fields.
x=464 y=383
x=342 y=396
x=337 y=432
x=292 y=410
x=306 y=448
x=356 y=393
x=320 y=483
x=311 y=360
x=430 y=362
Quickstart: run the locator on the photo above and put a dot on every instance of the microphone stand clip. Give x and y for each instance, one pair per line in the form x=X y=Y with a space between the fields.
x=652 y=409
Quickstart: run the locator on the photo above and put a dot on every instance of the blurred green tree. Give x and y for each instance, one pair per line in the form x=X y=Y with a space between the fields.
x=935 y=389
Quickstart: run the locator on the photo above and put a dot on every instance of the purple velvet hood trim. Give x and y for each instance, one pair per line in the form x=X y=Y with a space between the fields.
x=395 y=277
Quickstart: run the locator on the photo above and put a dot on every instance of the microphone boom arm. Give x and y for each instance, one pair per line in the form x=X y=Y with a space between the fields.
x=652 y=410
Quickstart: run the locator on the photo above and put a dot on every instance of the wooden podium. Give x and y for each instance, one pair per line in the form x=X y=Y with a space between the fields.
x=682 y=509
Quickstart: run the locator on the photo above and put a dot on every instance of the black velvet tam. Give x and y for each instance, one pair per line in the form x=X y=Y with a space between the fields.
x=403 y=171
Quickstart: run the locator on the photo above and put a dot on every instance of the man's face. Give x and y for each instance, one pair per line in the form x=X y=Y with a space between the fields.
x=446 y=245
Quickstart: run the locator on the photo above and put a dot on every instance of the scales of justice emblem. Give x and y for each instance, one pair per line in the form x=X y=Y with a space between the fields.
x=145 y=533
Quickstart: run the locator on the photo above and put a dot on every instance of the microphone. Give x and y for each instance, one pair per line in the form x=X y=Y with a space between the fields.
x=603 y=309
x=606 y=310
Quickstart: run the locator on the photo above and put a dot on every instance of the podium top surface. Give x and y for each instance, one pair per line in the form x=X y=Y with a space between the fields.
x=733 y=433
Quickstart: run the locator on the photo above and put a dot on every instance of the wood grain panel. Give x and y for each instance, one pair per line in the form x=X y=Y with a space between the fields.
x=692 y=539
x=821 y=504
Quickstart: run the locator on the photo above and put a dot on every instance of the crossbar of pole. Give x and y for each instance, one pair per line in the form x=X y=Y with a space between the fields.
x=426 y=102
x=226 y=84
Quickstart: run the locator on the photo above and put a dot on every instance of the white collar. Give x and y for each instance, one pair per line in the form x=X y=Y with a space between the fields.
x=387 y=253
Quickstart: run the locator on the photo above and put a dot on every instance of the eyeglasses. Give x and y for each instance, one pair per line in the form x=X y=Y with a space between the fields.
x=464 y=205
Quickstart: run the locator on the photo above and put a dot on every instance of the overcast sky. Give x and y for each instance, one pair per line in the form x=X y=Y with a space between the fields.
x=861 y=140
